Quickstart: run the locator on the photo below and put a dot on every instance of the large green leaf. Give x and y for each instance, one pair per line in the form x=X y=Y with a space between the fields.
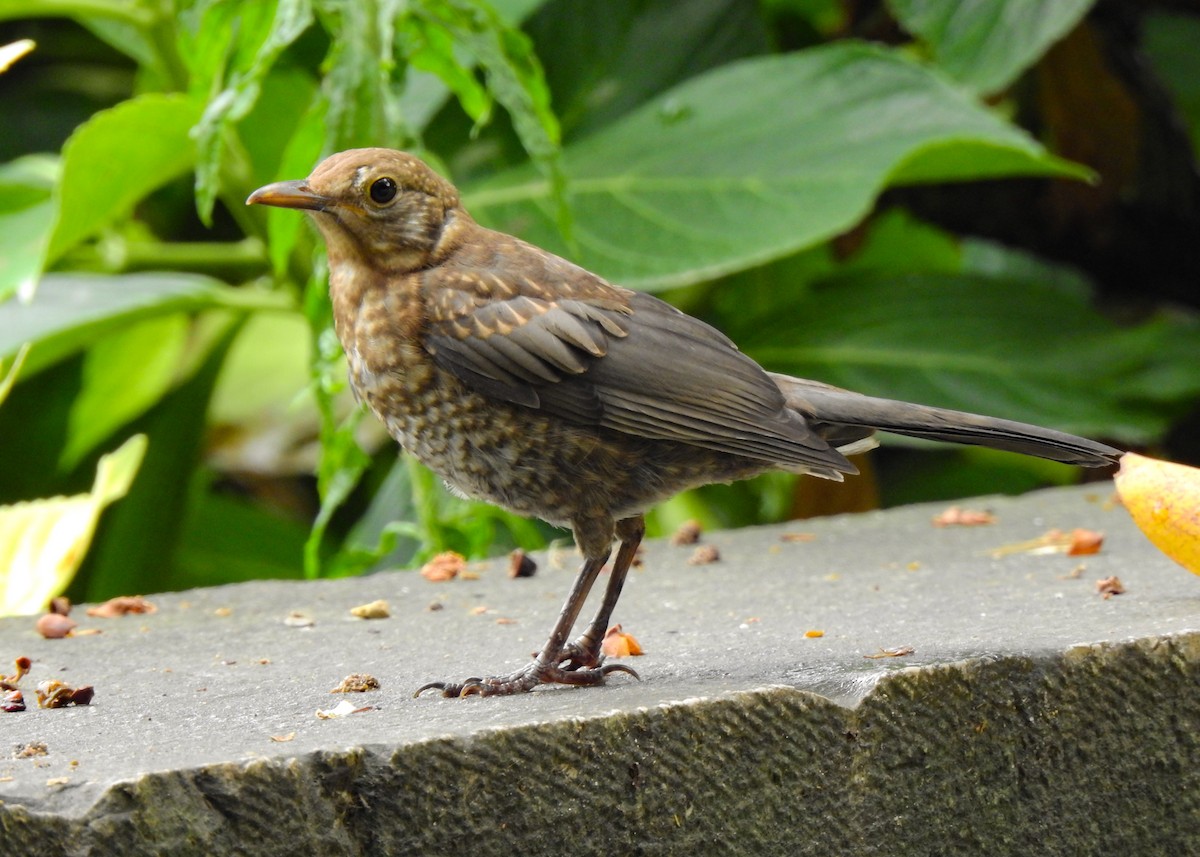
x=71 y=311
x=1023 y=349
x=116 y=158
x=26 y=220
x=986 y=44
x=603 y=58
x=757 y=160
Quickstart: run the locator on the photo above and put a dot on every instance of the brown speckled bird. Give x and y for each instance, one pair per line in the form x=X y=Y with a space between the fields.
x=528 y=382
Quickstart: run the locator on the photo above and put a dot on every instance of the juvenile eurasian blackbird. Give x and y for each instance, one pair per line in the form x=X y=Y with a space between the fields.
x=529 y=382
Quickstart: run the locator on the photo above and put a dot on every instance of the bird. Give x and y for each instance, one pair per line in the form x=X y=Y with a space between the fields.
x=529 y=382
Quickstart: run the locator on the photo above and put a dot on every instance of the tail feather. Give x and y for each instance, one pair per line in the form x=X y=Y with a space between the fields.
x=839 y=415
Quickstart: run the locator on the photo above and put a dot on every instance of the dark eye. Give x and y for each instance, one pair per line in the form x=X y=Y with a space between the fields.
x=383 y=190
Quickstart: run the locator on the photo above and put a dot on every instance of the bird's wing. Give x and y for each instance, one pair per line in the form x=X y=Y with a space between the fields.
x=542 y=333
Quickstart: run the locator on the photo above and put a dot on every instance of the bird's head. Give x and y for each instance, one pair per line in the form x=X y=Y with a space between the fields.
x=379 y=206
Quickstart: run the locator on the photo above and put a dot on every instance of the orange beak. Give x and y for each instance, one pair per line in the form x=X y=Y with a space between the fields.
x=295 y=194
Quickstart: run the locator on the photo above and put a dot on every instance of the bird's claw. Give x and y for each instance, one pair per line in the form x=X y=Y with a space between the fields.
x=525 y=680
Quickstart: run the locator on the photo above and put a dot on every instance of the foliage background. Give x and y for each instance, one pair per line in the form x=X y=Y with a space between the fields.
x=985 y=205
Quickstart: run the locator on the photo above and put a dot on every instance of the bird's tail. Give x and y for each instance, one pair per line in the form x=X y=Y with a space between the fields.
x=843 y=417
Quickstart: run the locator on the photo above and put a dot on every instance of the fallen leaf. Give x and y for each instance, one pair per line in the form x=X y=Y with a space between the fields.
x=894 y=652
x=1075 y=543
x=797 y=537
x=342 y=709
x=956 y=516
x=122 y=605
x=618 y=644
x=445 y=566
x=1164 y=501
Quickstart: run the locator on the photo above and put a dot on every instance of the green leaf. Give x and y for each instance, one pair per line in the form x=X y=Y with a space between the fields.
x=256 y=41
x=123 y=375
x=1021 y=349
x=71 y=311
x=603 y=58
x=755 y=161
x=11 y=373
x=1170 y=46
x=255 y=544
x=136 y=543
x=116 y=158
x=363 y=104
x=986 y=44
x=27 y=212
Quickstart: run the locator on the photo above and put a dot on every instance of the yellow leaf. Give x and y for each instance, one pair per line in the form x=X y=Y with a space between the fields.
x=42 y=542
x=1164 y=500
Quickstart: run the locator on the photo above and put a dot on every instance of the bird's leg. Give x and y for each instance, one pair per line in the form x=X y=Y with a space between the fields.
x=584 y=652
x=545 y=669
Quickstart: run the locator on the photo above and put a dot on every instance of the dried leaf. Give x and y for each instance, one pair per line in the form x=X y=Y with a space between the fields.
x=618 y=644
x=956 y=516
x=121 y=606
x=445 y=566
x=894 y=652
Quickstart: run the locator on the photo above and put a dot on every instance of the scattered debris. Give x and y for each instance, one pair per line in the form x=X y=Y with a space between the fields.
x=688 y=533
x=956 y=516
x=377 y=609
x=1078 y=542
x=57 y=694
x=30 y=750
x=357 y=683
x=797 y=537
x=1110 y=586
x=894 y=652
x=299 y=619
x=59 y=604
x=814 y=633
x=223 y=612
x=342 y=709
x=704 y=554
x=618 y=644
x=55 y=626
x=282 y=739
x=505 y=620
x=521 y=564
x=122 y=605
x=434 y=606
x=445 y=566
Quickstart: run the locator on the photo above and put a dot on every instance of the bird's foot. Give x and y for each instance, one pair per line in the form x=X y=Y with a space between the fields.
x=525 y=679
x=580 y=655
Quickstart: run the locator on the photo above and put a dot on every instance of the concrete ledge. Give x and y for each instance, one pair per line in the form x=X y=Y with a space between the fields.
x=1033 y=717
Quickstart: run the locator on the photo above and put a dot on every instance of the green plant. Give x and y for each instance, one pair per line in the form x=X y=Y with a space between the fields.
x=676 y=146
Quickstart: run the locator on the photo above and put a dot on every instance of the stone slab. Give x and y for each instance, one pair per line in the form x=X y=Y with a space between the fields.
x=1033 y=716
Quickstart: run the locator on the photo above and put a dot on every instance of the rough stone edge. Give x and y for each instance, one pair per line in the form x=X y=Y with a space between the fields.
x=1094 y=750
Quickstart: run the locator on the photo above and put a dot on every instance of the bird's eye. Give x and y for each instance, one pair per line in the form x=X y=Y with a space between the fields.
x=383 y=190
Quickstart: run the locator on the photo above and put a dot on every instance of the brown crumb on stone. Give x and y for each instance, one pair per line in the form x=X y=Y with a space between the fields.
x=688 y=533
x=704 y=554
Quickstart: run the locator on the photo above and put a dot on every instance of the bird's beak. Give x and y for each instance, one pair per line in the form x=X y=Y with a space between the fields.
x=289 y=195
